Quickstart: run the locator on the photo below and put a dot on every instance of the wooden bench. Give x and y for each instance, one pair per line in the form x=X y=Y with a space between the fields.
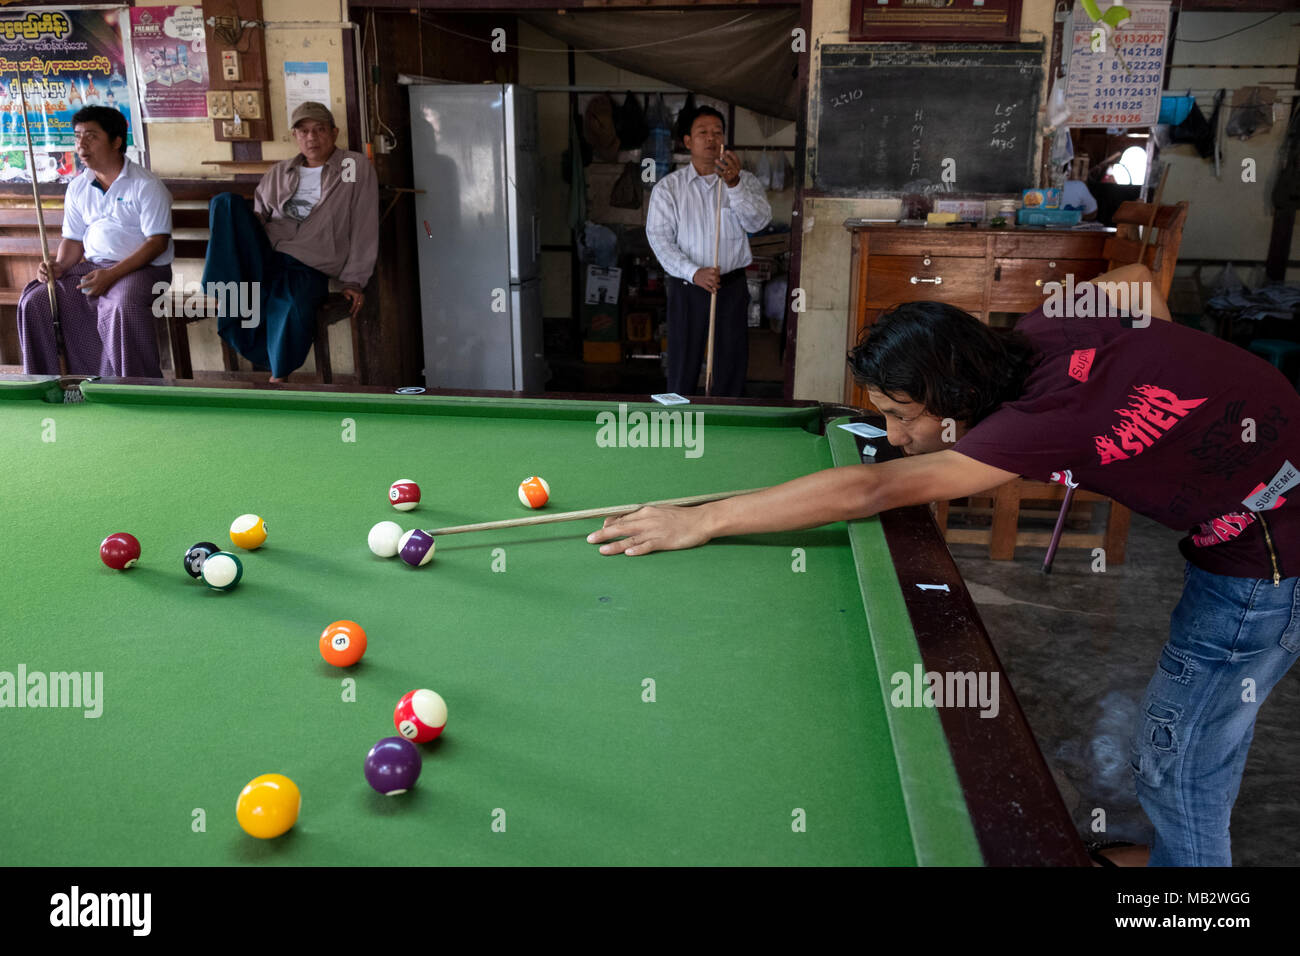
x=20 y=257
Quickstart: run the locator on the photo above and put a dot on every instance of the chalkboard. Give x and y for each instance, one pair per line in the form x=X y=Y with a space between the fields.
x=891 y=115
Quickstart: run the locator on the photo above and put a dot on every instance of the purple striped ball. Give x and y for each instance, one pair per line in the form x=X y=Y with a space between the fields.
x=415 y=548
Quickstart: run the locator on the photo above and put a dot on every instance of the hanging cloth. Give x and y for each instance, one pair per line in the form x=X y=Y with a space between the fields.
x=598 y=126
x=1197 y=130
x=1251 y=111
x=659 y=143
x=630 y=124
x=574 y=163
x=684 y=120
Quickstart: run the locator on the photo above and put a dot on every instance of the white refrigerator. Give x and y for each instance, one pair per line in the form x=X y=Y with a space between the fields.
x=475 y=156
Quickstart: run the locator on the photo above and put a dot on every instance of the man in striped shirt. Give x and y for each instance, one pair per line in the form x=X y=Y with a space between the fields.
x=680 y=227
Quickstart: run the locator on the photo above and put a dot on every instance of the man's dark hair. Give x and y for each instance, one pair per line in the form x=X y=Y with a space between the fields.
x=706 y=111
x=949 y=361
x=109 y=120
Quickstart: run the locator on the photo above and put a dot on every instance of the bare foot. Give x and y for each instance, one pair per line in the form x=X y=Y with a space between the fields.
x=278 y=381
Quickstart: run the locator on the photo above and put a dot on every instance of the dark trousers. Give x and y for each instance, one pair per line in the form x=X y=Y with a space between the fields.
x=688 y=335
x=289 y=292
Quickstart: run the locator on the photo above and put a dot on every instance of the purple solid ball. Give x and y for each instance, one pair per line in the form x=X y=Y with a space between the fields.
x=393 y=766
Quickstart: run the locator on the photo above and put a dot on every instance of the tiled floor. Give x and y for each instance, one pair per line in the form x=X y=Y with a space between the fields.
x=1079 y=648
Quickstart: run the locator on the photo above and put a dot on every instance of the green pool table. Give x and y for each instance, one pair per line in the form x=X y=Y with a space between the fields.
x=725 y=705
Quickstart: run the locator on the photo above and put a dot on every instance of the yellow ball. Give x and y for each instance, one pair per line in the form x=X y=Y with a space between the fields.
x=268 y=806
x=248 y=532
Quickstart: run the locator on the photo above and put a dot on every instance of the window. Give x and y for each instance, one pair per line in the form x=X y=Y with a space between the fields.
x=1133 y=163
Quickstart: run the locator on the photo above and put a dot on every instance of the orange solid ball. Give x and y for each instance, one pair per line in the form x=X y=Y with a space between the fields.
x=343 y=643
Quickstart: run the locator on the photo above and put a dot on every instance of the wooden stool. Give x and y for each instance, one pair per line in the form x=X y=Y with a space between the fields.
x=1004 y=534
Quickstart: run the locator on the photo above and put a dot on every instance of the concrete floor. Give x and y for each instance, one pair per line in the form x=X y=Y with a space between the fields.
x=1079 y=648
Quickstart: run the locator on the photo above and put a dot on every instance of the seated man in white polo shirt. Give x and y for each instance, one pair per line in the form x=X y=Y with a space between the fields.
x=117 y=223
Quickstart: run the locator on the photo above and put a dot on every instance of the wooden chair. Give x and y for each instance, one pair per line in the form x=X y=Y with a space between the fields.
x=1009 y=501
x=334 y=309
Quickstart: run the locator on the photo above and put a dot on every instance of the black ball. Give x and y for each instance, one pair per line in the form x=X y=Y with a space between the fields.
x=196 y=555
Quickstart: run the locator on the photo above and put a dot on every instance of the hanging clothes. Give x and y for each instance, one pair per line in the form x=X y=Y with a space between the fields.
x=598 y=127
x=659 y=141
x=1251 y=111
x=574 y=166
x=630 y=123
x=1197 y=130
x=682 y=127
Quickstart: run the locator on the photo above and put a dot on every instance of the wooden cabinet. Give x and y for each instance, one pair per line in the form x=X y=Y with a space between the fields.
x=979 y=270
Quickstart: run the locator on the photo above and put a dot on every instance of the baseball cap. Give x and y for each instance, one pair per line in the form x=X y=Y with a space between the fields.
x=314 y=111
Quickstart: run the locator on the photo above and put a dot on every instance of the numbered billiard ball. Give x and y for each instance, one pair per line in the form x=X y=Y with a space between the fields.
x=392 y=766
x=420 y=715
x=268 y=806
x=222 y=571
x=415 y=548
x=534 y=492
x=248 y=532
x=196 y=555
x=343 y=643
x=404 y=494
x=119 y=551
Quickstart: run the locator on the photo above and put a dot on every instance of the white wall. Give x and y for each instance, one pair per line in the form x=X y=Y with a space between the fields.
x=1230 y=219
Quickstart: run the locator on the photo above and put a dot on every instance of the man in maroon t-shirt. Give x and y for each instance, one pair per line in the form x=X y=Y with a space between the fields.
x=1179 y=426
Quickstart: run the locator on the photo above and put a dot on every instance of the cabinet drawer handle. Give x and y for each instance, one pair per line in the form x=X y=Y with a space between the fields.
x=1038 y=282
x=937 y=280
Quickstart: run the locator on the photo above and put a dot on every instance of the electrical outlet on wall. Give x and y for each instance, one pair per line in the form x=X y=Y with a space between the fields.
x=248 y=103
x=230 y=65
x=233 y=130
x=219 y=105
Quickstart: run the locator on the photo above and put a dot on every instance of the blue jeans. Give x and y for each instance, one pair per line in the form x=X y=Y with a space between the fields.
x=1230 y=641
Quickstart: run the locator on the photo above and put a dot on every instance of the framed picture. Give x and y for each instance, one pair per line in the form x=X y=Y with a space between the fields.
x=934 y=20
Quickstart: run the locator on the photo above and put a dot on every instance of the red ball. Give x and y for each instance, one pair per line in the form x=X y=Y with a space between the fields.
x=420 y=715
x=404 y=494
x=119 y=551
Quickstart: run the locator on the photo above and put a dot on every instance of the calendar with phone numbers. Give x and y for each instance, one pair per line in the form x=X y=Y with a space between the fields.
x=1117 y=79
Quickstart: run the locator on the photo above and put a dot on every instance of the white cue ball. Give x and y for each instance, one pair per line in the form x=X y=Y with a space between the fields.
x=383 y=538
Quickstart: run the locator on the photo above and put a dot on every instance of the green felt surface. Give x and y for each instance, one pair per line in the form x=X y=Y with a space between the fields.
x=768 y=688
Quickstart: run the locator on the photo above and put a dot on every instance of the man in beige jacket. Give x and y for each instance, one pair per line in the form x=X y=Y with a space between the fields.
x=315 y=217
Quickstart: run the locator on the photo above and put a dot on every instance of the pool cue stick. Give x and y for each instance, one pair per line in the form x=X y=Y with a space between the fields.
x=1151 y=221
x=713 y=298
x=45 y=243
x=1069 y=492
x=1056 y=532
x=588 y=513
